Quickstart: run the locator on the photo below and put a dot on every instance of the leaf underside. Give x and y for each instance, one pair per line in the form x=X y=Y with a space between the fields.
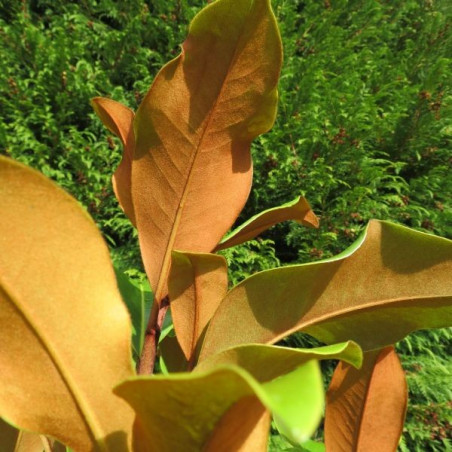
x=366 y=408
x=68 y=326
x=391 y=282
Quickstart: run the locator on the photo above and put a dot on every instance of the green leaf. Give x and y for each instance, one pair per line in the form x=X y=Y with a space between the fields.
x=138 y=297
x=298 y=401
x=287 y=382
x=392 y=281
x=292 y=379
x=193 y=405
x=298 y=209
x=266 y=362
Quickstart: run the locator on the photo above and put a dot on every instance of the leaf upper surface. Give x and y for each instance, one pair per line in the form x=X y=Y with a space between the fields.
x=196 y=406
x=298 y=209
x=392 y=281
x=64 y=331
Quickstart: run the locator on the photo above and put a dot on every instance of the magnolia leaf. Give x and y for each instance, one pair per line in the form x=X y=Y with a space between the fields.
x=119 y=120
x=171 y=355
x=366 y=408
x=299 y=396
x=266 y=362
x=294 y=379
x=298 y=209
x=138 y=298
x=192 y=405
x=244 y=427
x=192 y=170
x=392 y=281
x=14 y=440
x=280 y=444
x=197 y=284
x=64 y=330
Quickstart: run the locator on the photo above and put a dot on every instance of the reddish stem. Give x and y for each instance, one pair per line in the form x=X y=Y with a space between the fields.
x=151 y=339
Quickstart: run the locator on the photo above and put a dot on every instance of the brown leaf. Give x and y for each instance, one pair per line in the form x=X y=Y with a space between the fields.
x=391 y=282
x=119 y=120
x=244 y=427
x=366 y=408
x=64 y=330
x=192 y=170
x=197 y=284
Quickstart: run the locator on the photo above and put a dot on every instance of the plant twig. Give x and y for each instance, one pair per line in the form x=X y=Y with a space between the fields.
x=149 y=353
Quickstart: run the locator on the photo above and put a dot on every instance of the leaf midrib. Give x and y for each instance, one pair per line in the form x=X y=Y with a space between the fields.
x=355 y=309
x=82 y=405
x=175 y=226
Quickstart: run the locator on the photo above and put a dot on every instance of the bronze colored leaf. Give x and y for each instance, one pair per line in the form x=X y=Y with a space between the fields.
x=202 y=407
x=298 y=210
x=192 y=169
x=197 y=284
x=194 y=408
x=64 y=330
x=119 y=120
x=392 y=281
x=366 y=408
x=244 y=427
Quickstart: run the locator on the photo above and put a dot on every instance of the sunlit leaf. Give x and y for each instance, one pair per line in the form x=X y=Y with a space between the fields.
x=366 y=408
x=244 y=427
x=119 y=120
x=392 y=281
x=197 y=284
x=193 y=405
x=294 y=379
x=192 y=170
x=64 y=330
x=298 y=210
x=266 y=362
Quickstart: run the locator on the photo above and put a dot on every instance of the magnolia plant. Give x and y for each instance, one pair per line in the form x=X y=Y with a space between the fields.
x=77 y=365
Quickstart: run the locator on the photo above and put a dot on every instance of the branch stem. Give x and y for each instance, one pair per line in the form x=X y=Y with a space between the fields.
x=148 y=356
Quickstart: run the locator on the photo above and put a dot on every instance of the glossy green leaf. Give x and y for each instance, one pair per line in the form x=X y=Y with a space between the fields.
x=293 y=377
x=172 y=358
x=191 y=405
x=278 y=443
x=299 y=397
x=287 y=382
x=266 y=362
x=64 y=330
x=392 y=281
x=298 y=210
x=138 y=298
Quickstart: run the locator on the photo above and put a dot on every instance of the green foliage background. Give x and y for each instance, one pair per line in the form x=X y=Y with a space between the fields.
x=363 y=131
